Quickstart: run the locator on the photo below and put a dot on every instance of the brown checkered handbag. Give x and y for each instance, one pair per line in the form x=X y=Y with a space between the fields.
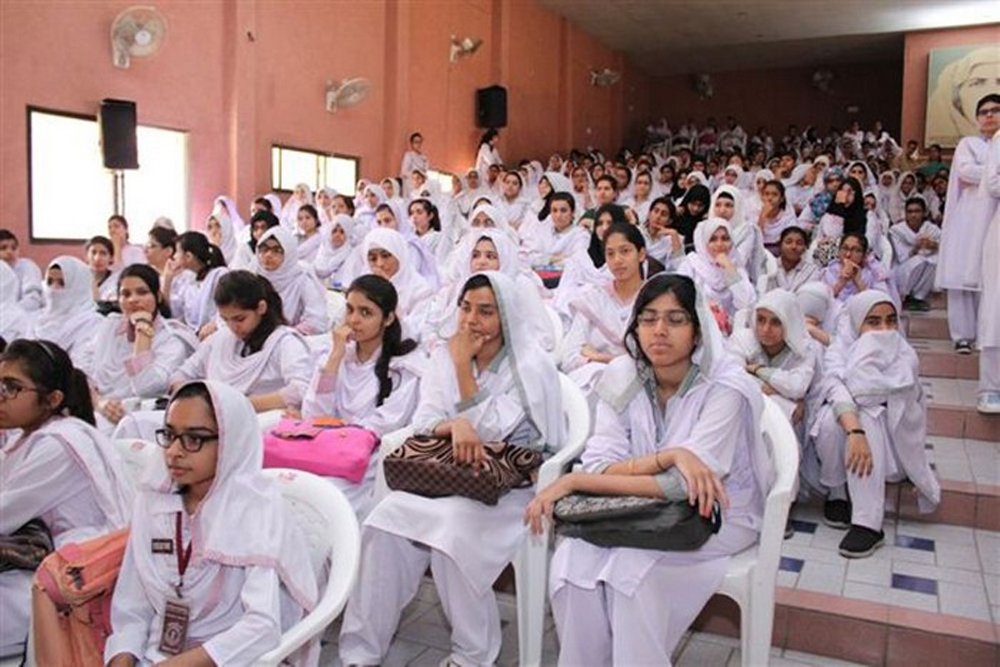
x=425 y=465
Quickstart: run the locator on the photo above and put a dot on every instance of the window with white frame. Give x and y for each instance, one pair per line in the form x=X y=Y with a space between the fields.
x=291 y=166
x=72 y=194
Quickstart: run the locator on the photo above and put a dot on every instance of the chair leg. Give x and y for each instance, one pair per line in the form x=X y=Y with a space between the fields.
x=758 y=626
x=530 y=577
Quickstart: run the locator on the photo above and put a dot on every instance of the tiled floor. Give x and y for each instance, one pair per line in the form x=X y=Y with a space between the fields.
x=931 y=567
x=423 y=641
x=948 y=391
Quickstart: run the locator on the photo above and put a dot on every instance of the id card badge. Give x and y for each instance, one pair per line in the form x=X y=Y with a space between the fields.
x=173 y=636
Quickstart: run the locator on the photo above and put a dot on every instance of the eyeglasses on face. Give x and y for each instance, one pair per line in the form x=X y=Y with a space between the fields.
x=10 y=388
x=672 y=318
x=190 y=442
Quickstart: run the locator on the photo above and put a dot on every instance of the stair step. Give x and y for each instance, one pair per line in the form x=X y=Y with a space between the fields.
x=951 y=410
x=930 y=596
x=932 y=324
x=939 y=359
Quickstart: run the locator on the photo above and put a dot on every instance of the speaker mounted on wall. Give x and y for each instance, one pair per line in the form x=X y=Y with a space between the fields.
x=117 y=120
x=491 y=107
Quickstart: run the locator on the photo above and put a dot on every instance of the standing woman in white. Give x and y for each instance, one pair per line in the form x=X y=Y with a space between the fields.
x=413 y=160
x=989 y=303
x=488 y=153
x=963 y=233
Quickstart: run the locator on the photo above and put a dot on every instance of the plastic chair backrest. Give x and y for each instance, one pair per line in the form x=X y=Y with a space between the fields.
x=136 y=455
x=784 y=450
x=336 y=304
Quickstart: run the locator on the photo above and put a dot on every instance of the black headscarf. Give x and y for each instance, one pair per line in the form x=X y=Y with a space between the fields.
x=855 y=217
x=685 y=221
x=596 y=249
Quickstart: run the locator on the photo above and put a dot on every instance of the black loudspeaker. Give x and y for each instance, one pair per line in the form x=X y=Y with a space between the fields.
x=491 y=107
x=118 y=143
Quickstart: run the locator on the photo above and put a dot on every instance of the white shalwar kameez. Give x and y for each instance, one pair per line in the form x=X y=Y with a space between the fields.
x=914 y=269
x=874 y=374
x=30 y=284
x=627 y=606
x=66 y=474
x=303 y=297
x=731 y=290
x=600 y=318
x=466 y=543
x=989 y=304
x=792 y=279
x=415 y=293
x=191 y=300
x=351 y=394
x=69 y=318
x=963 y=235
x=14 y=321
x=250 y=575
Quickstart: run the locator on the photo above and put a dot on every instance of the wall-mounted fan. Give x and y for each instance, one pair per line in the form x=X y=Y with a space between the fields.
x=703 y=85
x=137 y=31
x=347 y=93
x=463 y=47
x=605 y=77
x=822 y=80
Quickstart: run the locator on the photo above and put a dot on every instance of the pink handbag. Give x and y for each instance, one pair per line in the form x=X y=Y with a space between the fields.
x=322 y=446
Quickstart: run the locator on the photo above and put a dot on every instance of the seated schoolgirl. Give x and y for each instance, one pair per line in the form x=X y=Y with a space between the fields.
x=748 y=246
x=219 y=230
x=678 y=415
x=915 y=243
x=237 y=572
x=58 y=469
x=256 y=353
x=778 y=351
x=307 y=234
x=491 y=383
x=68 y=318
x=558 y=237
x=246 y=254
x=795 y=269
x=665 y=244
x=600 y=311
x=136 y=351
x=389 y=255
x=820 y=309
x=846 y=213
x=394 y=217
x=29 y=276
x=775 y=214
x=724 y=285
x=426 y=222
x=289 y=214
x=338 y=242
x=371 y=376
x=190 y=279
x=303 y=296
x=490 y=250
x=126 y=253
x=854 y=271
x=511 y=204
x=160 y=246
x=100 y=257
x=872 y=425
x=14 y=321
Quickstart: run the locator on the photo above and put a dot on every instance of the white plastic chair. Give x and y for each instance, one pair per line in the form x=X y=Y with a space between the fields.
x=531 y=563
x=336 y=304
x=752 y=574
x=331 y=530
x=136 y=454
x=885 y=252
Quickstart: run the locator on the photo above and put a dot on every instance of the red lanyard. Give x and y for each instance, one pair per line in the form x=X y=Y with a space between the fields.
x=183 y=556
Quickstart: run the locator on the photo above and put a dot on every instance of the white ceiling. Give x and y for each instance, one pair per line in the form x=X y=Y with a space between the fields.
x=665 y=37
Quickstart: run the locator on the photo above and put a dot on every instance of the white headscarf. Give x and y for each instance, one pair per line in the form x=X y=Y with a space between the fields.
x=785 y=306
x=816 y=300
x=225 y=205
x=329 y=260
x=66 y=308
x=410 y=285
x=706 y=270
x=288 y=279
x=242 y=520
x=559 y=182
x=228 y=245
x=13 y=319
x=534 y=372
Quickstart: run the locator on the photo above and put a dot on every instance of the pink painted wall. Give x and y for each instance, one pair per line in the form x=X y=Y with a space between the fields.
x=917 y=48
x=779 y=97
x=239 y=76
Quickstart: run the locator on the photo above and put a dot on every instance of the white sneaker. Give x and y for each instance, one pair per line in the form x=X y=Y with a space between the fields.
x=989 y=403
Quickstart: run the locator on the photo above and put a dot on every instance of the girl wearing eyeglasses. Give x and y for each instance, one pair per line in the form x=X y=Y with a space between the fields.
x=854 y=271
x=676 y=418
x=215 y=568
x=56 y=467
x=303 y=297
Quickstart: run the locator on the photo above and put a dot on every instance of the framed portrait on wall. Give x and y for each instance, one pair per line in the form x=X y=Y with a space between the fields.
x=957 y=78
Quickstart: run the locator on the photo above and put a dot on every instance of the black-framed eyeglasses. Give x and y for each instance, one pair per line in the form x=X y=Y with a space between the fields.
x=190 y=442
x=989 y=111
x=9 y=389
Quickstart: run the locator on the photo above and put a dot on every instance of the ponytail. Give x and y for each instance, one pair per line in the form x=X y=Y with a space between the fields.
x=245 y=290
x=381 y=292
x=51 y=369
x=204 y=251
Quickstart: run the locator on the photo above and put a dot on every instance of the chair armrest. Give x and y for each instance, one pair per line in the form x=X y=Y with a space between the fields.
x=556 y=464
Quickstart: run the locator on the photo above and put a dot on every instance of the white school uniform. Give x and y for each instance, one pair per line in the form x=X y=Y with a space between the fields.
x=415 y=293
x=249 y=577
x=600 y=318
x=747 y=240
x=14 y=321
x=913 y=270
x=803 y=272
x=118 y=373
x=629 y=606
x=730 y=290
x=303 y=297
x=989 y=303
x=545 y=242
x=29 y=278
x=963 y=234
x=68 y=318
x=876 y=375
x=66 y=474
x=191 y=299
x=330 y=261
x=466 y=543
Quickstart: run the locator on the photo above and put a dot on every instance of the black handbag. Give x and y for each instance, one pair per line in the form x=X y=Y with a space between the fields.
x=635 y=521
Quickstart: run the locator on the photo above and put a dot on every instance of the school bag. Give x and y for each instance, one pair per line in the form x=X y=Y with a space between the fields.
x=324 y=446
x=71 y=601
